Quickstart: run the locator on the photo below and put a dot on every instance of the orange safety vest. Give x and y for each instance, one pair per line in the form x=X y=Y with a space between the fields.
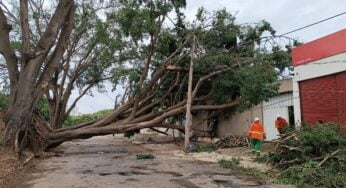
x=256 y=131
x=280 y=123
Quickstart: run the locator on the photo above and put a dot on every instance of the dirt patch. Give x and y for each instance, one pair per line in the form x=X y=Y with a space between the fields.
x=9 y=165
x=173 y=147
x=11 y=168
x=185 y=183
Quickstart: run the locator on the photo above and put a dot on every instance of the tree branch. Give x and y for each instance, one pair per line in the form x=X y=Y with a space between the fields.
x=215 y=107
x=60 y=49
x=6 y=50
x=202 y=79
x=48 y=39
x=24 y=23
x=67 y=113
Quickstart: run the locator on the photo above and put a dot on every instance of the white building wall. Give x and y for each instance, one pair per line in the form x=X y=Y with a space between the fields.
x=275 y=105
x=319 y=68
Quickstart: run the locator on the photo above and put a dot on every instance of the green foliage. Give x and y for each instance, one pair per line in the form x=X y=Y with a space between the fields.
x=313 y=145
x=75 y=120
x=222 y=44
x=145 y=156
x=252 y=77
x=136 y=19
x=167 y=44
x=3 y=101
x=204 y=148
x=320 y=140
x=43 y=108
x=97 y=45
x=281 y=58
x=257 y=83
x=308 y=175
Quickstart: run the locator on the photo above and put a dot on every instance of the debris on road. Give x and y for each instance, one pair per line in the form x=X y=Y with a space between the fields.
x=232 y=141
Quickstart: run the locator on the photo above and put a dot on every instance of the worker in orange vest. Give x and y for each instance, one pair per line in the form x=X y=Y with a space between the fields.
x=256 y=134
x=280 y=123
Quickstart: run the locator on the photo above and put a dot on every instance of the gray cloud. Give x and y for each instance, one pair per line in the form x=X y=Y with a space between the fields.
x=284 y=15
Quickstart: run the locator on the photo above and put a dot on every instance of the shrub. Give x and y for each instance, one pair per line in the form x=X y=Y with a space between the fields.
x=3 y=101
x=145 y=156
x=203 y=148
x=129 y=134
x=75 y=120
x=319 y=140
x=313 y=156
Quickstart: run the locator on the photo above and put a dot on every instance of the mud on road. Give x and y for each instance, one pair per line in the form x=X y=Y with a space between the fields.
x=109 y=161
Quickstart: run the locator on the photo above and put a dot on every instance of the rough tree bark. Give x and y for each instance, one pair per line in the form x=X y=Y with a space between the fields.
x=188 y=122
x=28 y=84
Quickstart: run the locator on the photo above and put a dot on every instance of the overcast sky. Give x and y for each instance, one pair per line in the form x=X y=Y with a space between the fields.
x=284 y=15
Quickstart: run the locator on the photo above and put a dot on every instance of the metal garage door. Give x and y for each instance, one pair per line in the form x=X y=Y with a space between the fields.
x=323 y=99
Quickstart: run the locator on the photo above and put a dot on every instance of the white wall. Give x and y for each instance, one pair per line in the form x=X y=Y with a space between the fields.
x=275 y=105
x=322 y=67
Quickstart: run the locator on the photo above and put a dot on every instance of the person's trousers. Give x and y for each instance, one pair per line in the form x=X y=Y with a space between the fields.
x=256 y=146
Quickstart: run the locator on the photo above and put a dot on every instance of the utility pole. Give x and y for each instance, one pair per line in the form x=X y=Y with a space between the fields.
x=188 y=122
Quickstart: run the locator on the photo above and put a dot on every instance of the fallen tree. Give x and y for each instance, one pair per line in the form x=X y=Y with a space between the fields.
x=231 y=70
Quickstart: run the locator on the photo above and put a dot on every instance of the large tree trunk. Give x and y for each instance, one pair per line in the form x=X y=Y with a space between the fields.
x=57 y=114
x=18 y=120
x=29 y=83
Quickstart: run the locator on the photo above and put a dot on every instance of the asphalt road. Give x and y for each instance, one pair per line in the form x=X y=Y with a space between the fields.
x=109 y=161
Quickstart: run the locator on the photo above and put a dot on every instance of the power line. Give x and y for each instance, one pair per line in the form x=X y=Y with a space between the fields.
x=312 y=24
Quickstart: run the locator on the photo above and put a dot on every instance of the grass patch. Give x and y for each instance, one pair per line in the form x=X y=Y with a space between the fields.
x=203 y=148
x=234 y=164
x=144 y=156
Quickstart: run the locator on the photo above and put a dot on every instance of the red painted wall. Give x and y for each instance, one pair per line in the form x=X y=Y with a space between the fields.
x=324 y=99
x=321 y=48
x=341 y=85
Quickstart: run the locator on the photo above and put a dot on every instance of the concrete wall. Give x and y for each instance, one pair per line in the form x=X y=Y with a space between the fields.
x=200 y=125
x=238 y=124
x=286 y=86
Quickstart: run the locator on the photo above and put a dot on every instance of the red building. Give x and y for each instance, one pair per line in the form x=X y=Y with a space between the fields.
x=319 y=84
